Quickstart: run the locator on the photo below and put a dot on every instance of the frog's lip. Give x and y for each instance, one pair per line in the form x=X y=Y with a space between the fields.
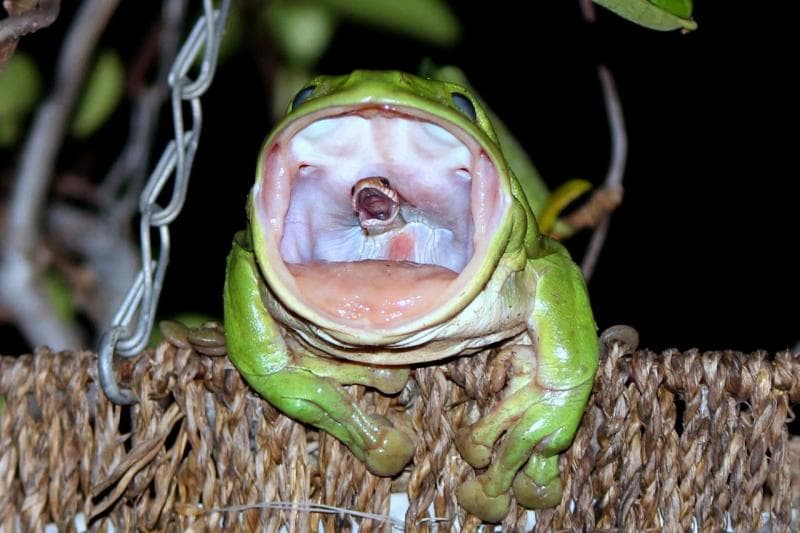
x=487 y=195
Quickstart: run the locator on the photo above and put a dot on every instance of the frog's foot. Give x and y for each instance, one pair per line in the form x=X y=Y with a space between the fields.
x=477 y=498
x=534 y=495
x=323 y=403
x=536 y=436
x=538 y=423
x=389 y=453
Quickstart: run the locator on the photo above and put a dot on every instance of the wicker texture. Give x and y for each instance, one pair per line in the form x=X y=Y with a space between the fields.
x=667 y=440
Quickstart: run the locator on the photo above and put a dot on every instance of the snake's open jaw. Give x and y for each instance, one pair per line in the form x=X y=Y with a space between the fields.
x=386 y=257
x=376 y=204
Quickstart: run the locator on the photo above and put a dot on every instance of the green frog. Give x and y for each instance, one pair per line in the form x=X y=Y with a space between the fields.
x=386 y=231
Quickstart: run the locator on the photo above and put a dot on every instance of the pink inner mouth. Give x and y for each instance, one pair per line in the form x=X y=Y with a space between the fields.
x=334 y=266
x=378 y=291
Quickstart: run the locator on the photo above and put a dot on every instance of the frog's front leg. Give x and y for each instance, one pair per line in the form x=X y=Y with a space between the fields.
x=304 y=386
x=541 y=410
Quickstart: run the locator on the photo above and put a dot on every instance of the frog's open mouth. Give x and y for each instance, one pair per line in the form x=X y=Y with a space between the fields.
x=380 y=216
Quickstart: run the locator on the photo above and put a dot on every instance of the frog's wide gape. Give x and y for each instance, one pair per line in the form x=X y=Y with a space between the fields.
x=377 y=214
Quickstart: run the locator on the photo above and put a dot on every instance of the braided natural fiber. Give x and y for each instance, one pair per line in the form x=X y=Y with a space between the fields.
x=668 y=441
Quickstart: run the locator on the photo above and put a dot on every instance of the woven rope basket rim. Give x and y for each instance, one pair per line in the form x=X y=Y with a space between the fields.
x=668 y=441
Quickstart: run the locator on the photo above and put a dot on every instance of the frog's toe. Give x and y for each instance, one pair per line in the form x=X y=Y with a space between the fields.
x=476 y=454
x=390 y=380
x=534 y=496
x=472 y=496
x=391 y=453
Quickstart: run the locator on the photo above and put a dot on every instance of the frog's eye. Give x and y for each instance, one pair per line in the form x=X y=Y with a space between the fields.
x=465 y=105
x=302 y=96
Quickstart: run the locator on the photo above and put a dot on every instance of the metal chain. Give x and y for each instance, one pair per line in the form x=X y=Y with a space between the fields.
x=130 y=330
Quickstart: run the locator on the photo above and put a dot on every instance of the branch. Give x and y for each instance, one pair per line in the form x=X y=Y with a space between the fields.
x=616 y=169
x=111 y=258
x=20 y=275
x=587 y=10
x=616 y=125
x=23 y=22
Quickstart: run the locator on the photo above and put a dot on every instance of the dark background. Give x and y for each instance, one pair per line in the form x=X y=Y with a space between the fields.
x=700 y=254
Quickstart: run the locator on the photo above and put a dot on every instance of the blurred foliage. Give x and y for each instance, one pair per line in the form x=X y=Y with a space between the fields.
x=20 y=88
x=101 y=95
x=60 y=293
x=233 y=38
x=300 y=30
x=429 y=21
x=662 y=15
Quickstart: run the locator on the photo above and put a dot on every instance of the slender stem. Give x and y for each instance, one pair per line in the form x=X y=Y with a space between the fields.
x=587 y=10
x=21 y=286
x=616 y=168
x=616 y=125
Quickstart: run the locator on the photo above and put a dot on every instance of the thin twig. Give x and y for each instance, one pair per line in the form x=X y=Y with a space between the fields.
x=587 y=10
x=616 y=126
x=616 y=168
x=21 y=285
x=104 y=251
x=19 y=24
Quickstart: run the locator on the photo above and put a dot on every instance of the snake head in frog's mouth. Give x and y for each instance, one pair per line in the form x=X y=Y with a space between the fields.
x=382 y=217
x=376 y=204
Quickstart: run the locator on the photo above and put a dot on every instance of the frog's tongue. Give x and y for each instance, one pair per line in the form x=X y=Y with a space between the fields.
x=450 y=207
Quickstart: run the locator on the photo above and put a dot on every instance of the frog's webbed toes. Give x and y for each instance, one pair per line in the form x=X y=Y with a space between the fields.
x=534 y=496
x=535 y=433
x=391 y=451
x=473 y=497
x=478 y=455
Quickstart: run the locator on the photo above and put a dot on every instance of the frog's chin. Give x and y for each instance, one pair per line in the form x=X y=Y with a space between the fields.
x=325 y=271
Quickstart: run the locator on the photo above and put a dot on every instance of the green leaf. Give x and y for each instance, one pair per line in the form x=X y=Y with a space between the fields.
x=564 y=195
x=101 y=94
x=430 y=21
x=301 y=31
x=662 y=15
x=20 y=87
x=679 y=8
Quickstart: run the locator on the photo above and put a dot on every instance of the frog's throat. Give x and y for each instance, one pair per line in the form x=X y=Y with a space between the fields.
x=326 y=273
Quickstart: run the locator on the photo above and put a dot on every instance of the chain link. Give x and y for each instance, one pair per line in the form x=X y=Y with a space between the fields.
x=130 y=330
